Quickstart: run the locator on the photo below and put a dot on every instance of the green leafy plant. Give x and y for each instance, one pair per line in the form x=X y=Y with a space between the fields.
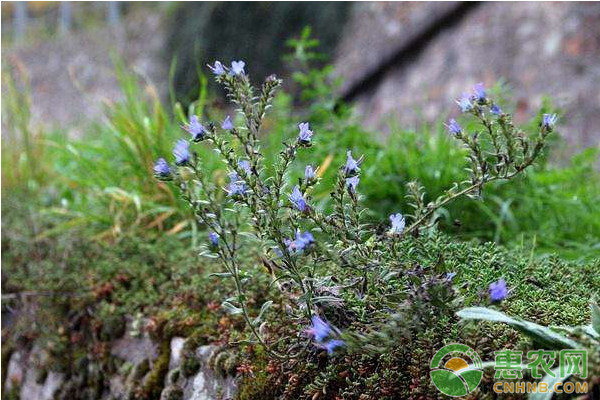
x=282 y=220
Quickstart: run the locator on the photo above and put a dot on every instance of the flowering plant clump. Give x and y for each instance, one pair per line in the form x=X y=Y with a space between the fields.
x=324 y=263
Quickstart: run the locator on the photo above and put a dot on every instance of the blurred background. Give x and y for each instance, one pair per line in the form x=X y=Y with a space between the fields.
x=405 y=60
x=94 y=92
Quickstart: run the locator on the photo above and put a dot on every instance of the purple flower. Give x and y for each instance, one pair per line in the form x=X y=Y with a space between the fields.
x=465 y=103
x=162 y=168
x=398 y=223
x=332 y=345
x=236 y=187
x=352 y=165
x=309 y=173
x=305 y=134
x=182 y=152
x=297 y=199
x=227 y=124
x=218 y=68
x=195 y=128
x=245 y=165
x=453 y=127
x=480 y=92
x=320 y=329
x=352 y=183
x=302 y=241
x=496 y=110
x=237 y=67
x=498 y=290
x=549 y=120
x=214 y=239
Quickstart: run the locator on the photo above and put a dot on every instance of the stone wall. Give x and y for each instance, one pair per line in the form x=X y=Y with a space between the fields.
x=406 y=60
x=429 y=53
x=137 y=356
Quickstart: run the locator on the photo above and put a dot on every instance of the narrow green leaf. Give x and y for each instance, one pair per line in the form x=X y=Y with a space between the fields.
x=545 y=336
x=595 y=312
x=230 y=308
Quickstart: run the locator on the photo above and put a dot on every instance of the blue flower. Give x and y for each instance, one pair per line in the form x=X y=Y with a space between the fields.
x=302 y=241
x=465 y=103
x=305 y=134
x=236 y=187
x=309 y=173
x=182 y=152
x=214 y=239
x=245 y=165
x=480 y=94
x=450 y=275
x=352 y=183
x=453 y=127
x=352 y=165
x=195 y=128
x=332 y=345
x=549 y=120
x=496 y=110
x=320 y=329
x=227 y=124
x=398 y=223
x=218 y=68
x=498 y=290
x=237 y=67
x=298 y=200
x=162 y=168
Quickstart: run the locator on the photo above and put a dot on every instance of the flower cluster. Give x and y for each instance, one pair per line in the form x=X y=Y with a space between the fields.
x=302 y=242
x=325 y=335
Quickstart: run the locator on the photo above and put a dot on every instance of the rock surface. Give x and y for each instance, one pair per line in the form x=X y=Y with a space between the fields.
x=25 y=375
x=538 y=49
x=73 y=76
x=204 y=384
x=408 y=60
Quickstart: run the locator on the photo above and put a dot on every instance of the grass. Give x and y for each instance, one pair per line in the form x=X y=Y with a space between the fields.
x=103 y=184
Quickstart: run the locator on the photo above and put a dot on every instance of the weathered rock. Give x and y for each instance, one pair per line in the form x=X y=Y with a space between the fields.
x=135 y=349
x=537 y=48
x=15 y=371
x=176 y=350
x=23 y=376
x=204 y=384
x=377 y=31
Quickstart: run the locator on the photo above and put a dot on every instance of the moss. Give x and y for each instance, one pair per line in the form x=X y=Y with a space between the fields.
x=173 y=376
x=189 y=365
x=261 y=384
x=172 y=393
x=154 y=382
x=113 y=327
x=224 y=362
x=7 y=351
x=12 y=394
